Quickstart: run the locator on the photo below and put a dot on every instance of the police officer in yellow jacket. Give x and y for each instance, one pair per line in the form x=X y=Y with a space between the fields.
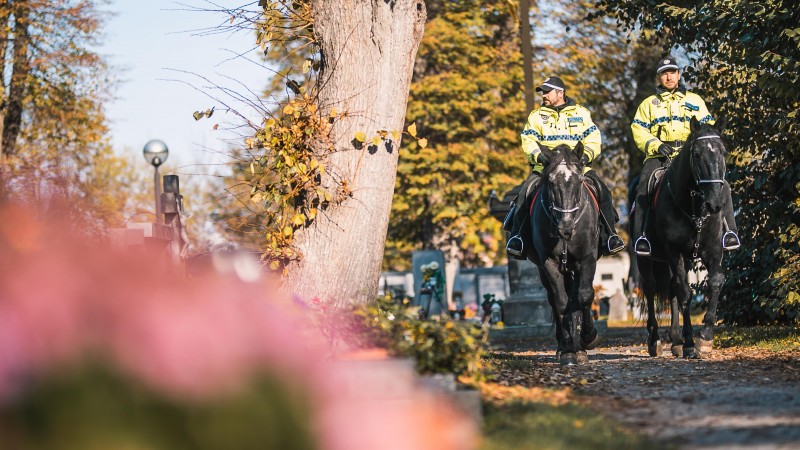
x=660 y=127
x=560 y=121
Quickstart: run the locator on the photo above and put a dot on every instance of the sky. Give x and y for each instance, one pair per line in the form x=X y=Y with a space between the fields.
x=154 y=47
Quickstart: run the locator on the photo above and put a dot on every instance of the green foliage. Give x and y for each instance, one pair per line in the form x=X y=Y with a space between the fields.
x=773 y=338
x=438 y=346
x=519 y=425
x=466 y=100
x=280 y=180
x=55 y=146
x=746 y=58
x=97 y=408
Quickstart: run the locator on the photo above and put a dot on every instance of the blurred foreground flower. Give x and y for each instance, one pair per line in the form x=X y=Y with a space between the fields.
x=102 y=350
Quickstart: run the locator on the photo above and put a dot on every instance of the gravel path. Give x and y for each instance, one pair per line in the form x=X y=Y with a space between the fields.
x=734 y=399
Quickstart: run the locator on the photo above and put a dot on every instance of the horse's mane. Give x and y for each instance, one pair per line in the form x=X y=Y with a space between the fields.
x=562 y=153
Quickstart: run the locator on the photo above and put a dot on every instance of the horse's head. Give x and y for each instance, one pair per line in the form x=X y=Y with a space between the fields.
x=707 y=162
x=563 y=175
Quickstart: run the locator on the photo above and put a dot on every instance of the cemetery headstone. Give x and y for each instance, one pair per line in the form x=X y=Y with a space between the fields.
x=618 y=307
x=421 y=258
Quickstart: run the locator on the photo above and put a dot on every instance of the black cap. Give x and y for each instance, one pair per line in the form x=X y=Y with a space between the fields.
x=551 y=83
x=666 y=63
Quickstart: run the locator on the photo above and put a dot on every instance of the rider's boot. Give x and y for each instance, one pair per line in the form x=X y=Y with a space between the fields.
x=515 y=246
x=611 y=242
x=641 y=245
x=730 y=241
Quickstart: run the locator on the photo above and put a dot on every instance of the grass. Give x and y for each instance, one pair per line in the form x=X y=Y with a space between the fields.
x=530 y=425
x=772 y=338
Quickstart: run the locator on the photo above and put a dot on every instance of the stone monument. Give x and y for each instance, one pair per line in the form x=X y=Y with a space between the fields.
x=526 y=311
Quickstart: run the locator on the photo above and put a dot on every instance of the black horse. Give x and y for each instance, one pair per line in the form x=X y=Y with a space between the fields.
x=564 y=221
x=685 y=223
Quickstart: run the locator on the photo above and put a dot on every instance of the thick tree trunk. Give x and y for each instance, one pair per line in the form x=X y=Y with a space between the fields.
x=368 y=48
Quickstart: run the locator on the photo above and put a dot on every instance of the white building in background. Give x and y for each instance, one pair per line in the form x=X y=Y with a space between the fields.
x=612 y=273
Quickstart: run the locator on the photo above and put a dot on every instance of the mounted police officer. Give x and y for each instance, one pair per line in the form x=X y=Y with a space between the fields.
x=660 y=127
x=560 y=121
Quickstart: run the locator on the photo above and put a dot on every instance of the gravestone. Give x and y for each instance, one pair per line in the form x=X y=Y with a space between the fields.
x=618 y=307
x=420 y=258
x=526 y=311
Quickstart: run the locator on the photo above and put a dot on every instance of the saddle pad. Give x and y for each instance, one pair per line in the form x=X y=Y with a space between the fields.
x=653 y=182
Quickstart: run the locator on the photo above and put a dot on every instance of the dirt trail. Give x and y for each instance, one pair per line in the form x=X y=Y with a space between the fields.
x=734 y=399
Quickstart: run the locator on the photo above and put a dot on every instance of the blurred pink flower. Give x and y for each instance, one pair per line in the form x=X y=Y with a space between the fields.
x=64 y=301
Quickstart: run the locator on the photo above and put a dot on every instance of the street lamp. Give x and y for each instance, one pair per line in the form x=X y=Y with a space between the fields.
x=155 y=153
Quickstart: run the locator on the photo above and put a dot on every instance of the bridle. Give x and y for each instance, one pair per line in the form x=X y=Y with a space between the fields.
x=551 y=209
x=695 y=192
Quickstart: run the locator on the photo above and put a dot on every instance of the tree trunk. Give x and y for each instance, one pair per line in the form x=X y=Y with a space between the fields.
x=368 y=49
x=644 y=74
x=21 y=68
x=527 y=53
x=5 y=26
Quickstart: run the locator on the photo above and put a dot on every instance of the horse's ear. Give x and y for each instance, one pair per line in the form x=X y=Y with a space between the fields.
x=578 y=150
x=721 y=124
x=693 y=124
x=546 y=154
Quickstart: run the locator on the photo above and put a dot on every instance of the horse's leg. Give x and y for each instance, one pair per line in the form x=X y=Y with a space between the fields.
x=560 y=313
x=649 y=288
x=716 y=277
x=576 y=309
x=675 y=332
x=682 y=292
x=551 y=300
x=589 y=337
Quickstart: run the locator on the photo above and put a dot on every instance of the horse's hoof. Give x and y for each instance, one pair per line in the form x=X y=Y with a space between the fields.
x=558 y=355
x=568 y=359
x=582 y=357
x=677 y=351
x=705 y=346
x=593 y=343
x=654 y=349
x=691 y=353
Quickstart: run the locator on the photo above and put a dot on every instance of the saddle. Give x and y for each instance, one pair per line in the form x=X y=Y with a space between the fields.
x=653 y=183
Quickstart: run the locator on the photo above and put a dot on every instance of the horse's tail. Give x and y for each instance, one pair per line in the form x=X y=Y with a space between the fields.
x=663 y=292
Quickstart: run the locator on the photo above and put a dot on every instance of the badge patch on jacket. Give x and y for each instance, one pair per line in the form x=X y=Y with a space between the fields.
x=544 y=117
x=691 y=106
x=656 y=102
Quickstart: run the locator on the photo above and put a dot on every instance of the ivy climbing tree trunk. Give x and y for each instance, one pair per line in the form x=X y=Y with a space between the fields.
x=368 y=50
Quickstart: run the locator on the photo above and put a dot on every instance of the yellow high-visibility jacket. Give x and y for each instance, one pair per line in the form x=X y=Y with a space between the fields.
x=552 y=127
x=667 y=113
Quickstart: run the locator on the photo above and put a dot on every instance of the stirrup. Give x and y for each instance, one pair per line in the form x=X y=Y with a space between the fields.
x=513 y=251
x=731 y=247
x=620 y=244
x=643 y=252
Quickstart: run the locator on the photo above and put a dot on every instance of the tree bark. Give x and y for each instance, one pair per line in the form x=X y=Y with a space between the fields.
x=527 y=53
x=368 y=49
x=21 y=68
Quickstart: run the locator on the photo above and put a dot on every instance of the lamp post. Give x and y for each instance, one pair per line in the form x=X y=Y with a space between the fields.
x=155 y=153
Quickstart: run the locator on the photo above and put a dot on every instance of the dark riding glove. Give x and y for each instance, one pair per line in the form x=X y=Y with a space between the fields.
x=665 y=150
